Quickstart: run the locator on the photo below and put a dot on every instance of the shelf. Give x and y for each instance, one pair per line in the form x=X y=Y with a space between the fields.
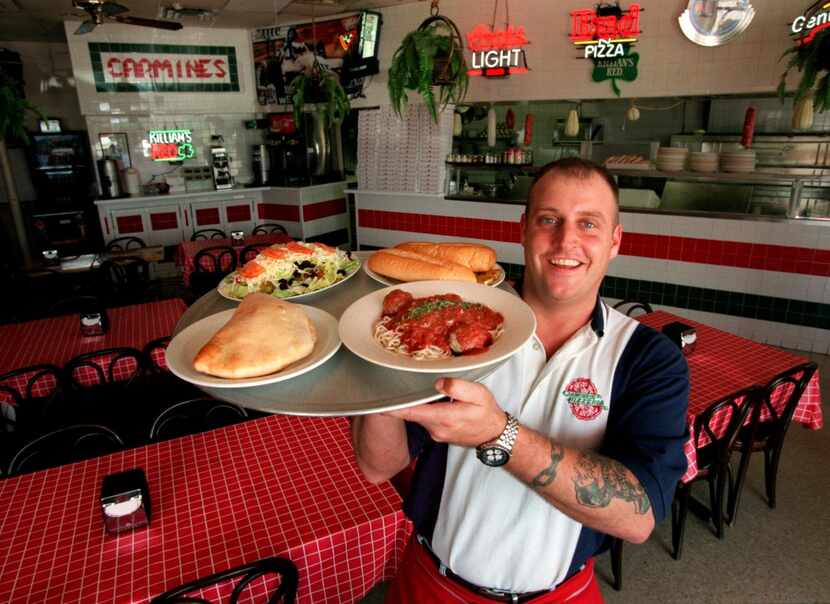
x=729 y=177
x=465 y=164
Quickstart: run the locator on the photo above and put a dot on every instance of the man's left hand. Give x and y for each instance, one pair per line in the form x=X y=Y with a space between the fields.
x=471 y=418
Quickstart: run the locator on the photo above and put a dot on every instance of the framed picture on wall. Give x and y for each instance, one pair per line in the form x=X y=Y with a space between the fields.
x=114 y=145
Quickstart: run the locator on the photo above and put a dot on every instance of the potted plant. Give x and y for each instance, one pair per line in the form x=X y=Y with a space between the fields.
x=322 y=89
x=813 y=91
x=432 y=55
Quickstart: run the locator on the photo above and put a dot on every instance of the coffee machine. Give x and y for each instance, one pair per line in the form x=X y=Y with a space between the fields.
x=261 y=162
x=300 y=154
x=220 y=165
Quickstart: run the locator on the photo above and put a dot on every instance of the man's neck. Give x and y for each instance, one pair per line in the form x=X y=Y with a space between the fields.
x=556 y=323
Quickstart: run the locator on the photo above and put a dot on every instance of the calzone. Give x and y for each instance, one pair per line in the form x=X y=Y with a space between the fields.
x=264 y=335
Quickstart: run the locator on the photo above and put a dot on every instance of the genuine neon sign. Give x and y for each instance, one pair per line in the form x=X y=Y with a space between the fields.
x=171 y=145
x=806 y=28
x=603 y=36
x=497 y=53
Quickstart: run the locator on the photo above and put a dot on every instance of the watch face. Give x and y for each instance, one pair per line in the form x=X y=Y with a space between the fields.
x=493 y=455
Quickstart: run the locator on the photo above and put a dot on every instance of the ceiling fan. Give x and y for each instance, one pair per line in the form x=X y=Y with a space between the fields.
x=101 y=10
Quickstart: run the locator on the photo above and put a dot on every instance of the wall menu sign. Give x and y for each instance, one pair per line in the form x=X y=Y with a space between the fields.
x=605 y=35
x=497 y=53
x=163 y=68
x=171 y=145
x=805 y=27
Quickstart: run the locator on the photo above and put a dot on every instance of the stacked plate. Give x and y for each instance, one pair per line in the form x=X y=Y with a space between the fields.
x=671 y=159
x=737 y=161
x=703 y=161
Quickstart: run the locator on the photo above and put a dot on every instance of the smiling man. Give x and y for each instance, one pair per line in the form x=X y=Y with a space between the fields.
x=521 y=479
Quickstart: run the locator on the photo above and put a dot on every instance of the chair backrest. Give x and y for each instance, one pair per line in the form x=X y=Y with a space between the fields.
x=125 y=277
x=215 y=259
x=123 y=244
x=208 y=234
x=781 y=396
x=632 y=308
x=195 y=415
x=65 y=445
x=240 y=584
x=268 y=228
x=76 y=305
x=249 y=252
x=154 y=355
x=716 y=427
x=120 y=365
x=30 y=391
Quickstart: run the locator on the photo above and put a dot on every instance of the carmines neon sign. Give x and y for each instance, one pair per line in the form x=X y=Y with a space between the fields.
x=805 y=28
x=497 y=53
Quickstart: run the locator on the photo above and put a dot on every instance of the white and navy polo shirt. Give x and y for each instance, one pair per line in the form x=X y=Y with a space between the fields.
x=617 y=387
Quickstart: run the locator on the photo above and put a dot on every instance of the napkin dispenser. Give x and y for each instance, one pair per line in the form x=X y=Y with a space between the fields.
x=684 y=336
x=125 y=501
x=94 y=323
x=237 y=237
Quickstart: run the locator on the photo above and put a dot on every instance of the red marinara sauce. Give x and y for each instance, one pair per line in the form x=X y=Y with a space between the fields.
x=435 y=320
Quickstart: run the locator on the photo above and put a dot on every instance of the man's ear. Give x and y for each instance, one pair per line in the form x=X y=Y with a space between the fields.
x=616 y=240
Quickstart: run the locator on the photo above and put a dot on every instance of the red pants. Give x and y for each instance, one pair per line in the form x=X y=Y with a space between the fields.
x=419 y=582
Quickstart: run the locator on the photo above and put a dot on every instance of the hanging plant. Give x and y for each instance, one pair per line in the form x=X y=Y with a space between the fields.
x=432 y=55
x=13 y=111
x=323 y=91
x=813 y=61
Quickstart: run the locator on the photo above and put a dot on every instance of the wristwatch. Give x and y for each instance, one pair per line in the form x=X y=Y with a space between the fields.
x=496 y=453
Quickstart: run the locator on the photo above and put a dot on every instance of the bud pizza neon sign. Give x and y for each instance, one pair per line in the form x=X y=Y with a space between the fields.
x=805 y=28
x=497 y=53
x=171 y=145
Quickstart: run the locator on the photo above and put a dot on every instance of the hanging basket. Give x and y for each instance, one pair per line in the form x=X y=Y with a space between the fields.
x=443 y=73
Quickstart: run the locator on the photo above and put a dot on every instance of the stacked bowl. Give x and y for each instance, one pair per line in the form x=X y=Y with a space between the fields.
x=737 y=161
x=671 y=159
x=703 y=161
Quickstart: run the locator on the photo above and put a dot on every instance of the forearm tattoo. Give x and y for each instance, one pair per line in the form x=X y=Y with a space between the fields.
x=598 y=480
x=548 y=475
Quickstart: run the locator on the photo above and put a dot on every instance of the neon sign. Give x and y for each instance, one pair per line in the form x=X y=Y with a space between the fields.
x=605 y=35
x=497 y=53
x=171 y=145
x=805 y=28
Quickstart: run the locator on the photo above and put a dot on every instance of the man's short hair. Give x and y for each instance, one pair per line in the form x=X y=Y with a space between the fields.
x=575 y=167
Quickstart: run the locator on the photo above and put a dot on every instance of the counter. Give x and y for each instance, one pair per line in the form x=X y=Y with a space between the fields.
x=767 y=279
x=312 y=213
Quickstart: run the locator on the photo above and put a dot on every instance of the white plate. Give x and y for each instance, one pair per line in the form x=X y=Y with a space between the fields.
x=358 y=321
x=184 y=347
x=348 y=276
x=390 y=281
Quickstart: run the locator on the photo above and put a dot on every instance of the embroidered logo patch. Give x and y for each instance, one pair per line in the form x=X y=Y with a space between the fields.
x=583 y=399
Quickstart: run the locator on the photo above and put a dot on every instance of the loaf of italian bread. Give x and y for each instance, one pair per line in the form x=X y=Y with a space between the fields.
x=410 y=266
x=477 y=258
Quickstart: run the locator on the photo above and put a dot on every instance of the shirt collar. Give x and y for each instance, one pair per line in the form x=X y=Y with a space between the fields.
x=597 y=315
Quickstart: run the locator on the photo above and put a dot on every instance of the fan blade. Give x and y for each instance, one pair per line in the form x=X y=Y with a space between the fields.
x=85 y=27
x=170 y=25
x=111 y=9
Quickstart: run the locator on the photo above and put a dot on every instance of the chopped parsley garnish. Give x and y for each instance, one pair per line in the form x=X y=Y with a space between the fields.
x=422 y=309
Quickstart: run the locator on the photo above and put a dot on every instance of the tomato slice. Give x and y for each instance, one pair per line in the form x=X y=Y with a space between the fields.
x=299 y=249
x=251 y=269
x=324 y=247
x=276 y=253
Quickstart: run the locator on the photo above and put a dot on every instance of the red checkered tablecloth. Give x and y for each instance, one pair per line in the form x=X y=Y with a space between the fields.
x=58 y=339
x=276 y=486
x=187 y=250
x=723 y=363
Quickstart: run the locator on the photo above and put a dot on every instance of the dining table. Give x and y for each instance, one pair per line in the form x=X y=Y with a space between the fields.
x=274 y=486
x=187 y=250
x=723 y=364
x=56 y=340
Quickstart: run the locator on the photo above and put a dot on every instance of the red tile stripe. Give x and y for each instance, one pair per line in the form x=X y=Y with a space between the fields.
x=453 y=226
x=278 y=211
x=207 y=216
x=241 y=213
x=164 y=220
x=129 y=224
x=323 y=209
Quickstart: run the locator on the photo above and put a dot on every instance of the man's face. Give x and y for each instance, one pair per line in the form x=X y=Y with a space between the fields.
x=569 y=233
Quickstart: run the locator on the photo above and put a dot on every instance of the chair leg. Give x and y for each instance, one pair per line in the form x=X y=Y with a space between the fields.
x=771 y=472
x=717 y=502
x=736 y=487
x=679 y=509
x=616 y=562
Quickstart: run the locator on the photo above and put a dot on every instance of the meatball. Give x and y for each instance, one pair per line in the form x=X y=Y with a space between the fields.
x=396 y=301
x=469 y=338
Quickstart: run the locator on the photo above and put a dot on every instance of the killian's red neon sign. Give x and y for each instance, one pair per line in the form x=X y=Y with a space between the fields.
x=497 y=53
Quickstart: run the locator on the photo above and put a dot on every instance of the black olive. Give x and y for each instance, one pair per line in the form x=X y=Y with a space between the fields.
x=340 y=271
x=296 y=274
x=283 y=284
x=348 y=254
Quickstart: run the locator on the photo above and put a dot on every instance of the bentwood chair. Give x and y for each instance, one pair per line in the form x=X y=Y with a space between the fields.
x=249 y=252
x=770 y=421
x=125 y=279
x=274 y=578
x=208 y=234
x=715 y=431
x=269 y=228
x=210 y=265
x=124 y=244
x=633 y=308
x=64 y=445
x=195 y=415
x=28 y=396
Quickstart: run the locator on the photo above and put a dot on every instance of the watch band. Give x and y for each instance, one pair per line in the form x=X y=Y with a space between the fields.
x=497 y=452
